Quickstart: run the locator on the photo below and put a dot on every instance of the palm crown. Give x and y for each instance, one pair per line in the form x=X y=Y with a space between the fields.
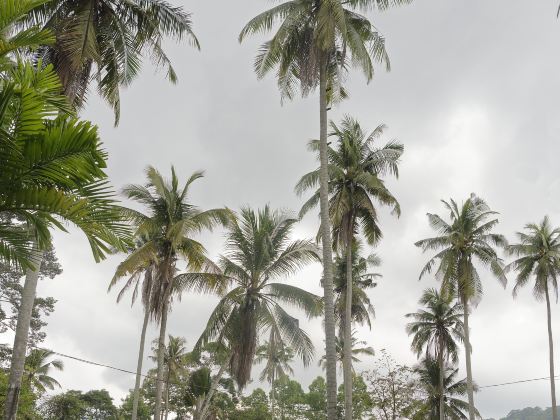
x=259 y=251
x=166 y=231
x=109 y=37
x=538 y=253
x=38 y=368
x=355 y=170
x=455 y=408
x=362 y=310
x=438 y=327
x=277 y=358
x=314 y=33
x=465 y=239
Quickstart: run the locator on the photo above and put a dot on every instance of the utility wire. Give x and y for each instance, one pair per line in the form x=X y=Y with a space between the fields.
x=90 y=362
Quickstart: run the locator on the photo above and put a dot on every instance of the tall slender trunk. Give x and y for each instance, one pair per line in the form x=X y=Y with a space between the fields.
x=22 y=335
x=139 y=365
x=327 y=244
x=347 y=365
x=551 y=358
x=470 y=388
x=213 y=387
x=272 y=395
x=167 y=394
x=160 y=354
x=441 y=379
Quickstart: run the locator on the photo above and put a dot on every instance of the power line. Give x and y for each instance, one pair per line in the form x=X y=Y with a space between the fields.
x=518 y=382
x=90 y=362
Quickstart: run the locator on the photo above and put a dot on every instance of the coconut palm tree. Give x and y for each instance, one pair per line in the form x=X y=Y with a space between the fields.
x=362 y=280
x=38 y=365
x=175 y=359
x=259 y=253
x=52 y=172
x=359 y=348
x=436 y=329
x=466 y=239
x=105 y=40
x=167 y=228
x=14 y=39
x=315 y=43
x=538 y=257
x=278 y=359
x=455 y=408
x=356 y=168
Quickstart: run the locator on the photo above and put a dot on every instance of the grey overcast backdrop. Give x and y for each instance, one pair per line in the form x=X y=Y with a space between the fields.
x=474 y=96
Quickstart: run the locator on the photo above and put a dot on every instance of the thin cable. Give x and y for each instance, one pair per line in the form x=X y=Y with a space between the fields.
x=90 y=362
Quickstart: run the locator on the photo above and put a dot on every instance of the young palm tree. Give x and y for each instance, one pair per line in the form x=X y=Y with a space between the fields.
x=465 y=239
x=278 y=359
x=168 y=226
x=175 y=359
x=538 y=253
x=436 y=330
x=38 y=366
x=13 y=39
x=454 y=407
x=259 y=253
x=359 y=348
x=362 y=280
x=315 y=43
x=105 y=40
x=52 y=171
x=356 y=166
x=140 y=273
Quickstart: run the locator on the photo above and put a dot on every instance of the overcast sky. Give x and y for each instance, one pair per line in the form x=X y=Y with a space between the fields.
x=473 y=95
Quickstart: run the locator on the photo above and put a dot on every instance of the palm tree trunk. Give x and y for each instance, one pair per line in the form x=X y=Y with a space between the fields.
x=470 y=388
x=213 y=387
x=327 y=244
x=22 y=335
x=441 y=379
x=160 y=354
x=347 y=365
x=551 y=358
x=167 y=394
x=272 y=396
x=139 y=366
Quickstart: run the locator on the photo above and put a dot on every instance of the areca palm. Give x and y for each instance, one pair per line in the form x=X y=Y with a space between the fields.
x=436 y=328
x=168 y=228
x=454 y=407
x=14 y=39
x=356 y=167
x=259 y=253
x=52 y=172
x=38 y=368
x=105 y=40
x=465 y=240
x=314 y=45
x=278 y=359
x=538 y=257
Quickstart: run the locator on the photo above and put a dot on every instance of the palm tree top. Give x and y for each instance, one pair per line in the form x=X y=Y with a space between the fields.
x=538 y=252
x=259 y=252
x=311 y=34
x=356 y=167
x=439 y=319
x=466 y=238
